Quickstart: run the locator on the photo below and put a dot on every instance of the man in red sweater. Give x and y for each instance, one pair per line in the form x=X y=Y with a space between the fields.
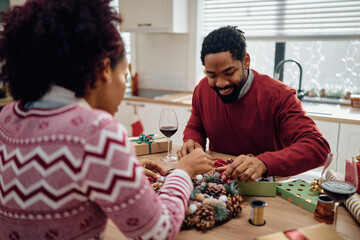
x=244 y=112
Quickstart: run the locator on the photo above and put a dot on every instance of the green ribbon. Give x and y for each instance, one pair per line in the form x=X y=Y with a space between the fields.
x=148 y=139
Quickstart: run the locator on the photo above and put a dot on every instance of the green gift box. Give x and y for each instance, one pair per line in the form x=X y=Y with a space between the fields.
x=298 y=192
x=262 y=188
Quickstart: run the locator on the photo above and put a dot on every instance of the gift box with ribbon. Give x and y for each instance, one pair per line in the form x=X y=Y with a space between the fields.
x=149 y=144
x=298 y=192
x=318 y=231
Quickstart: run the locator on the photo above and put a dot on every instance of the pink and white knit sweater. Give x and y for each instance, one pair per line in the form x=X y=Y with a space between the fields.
x=64 y=171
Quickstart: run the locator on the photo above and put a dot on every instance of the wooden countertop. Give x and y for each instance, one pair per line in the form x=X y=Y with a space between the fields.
x=280 y=215
x=5 y=101
x=317 y=111
x=183 y=99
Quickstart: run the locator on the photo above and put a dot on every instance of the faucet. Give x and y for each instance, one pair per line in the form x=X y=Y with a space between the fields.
x=300 y=93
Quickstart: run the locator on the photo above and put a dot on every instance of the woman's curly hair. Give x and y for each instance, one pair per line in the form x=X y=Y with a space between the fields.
x=222 y=40
x=60 y=42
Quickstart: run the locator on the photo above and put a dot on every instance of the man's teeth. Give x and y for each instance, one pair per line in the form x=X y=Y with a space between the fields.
x=225 y=90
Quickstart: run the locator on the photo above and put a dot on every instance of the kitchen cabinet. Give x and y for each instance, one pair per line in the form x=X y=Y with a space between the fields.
x=149 y=115
x=166 y=16
x=349 y=143
x=330 y=131
x=17 y=2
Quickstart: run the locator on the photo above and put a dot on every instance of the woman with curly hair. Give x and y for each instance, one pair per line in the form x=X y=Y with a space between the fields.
x=66 y=165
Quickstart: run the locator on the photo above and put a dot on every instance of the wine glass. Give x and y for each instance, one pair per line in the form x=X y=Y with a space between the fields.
x=336 y=188
x=168 y=125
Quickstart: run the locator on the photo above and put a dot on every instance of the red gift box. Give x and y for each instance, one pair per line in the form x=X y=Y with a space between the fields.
x=350 y=177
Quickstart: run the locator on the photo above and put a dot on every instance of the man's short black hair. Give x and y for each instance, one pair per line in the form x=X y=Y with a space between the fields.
x=222 y=40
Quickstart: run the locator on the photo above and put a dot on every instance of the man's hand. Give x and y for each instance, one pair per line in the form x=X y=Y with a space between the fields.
x=244 y=168
x=187 y=148
x=151 y=168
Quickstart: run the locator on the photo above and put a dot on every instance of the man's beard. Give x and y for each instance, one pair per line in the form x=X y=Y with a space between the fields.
x=232 y=97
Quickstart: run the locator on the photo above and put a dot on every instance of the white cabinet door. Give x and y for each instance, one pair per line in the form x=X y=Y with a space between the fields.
x=349 y=143
x=183 y=114
x=149 y=115
x=330 y=131
x=153 y=15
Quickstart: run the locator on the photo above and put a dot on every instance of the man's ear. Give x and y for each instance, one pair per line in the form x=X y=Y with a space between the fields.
x=106 y=72
x=247 y=61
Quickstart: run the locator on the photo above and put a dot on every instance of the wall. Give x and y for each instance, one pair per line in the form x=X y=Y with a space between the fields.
x=162 y=60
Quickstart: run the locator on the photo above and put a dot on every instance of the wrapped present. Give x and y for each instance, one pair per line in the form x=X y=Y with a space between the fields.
x=352 y=203
x=148 y=144
x=260 y=188
x=318 y=231
x=299 y=193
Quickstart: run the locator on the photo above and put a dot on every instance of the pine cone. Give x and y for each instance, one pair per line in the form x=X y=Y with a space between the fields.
x=234 y=204
x=189 y=221
x=157 y=186
x=215 y=190
x=204 y=217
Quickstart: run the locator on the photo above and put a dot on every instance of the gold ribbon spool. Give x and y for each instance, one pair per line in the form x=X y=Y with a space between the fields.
x=257 y=212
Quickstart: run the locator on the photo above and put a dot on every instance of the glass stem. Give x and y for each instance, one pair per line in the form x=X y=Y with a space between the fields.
x=168 y=139
x=336 y=206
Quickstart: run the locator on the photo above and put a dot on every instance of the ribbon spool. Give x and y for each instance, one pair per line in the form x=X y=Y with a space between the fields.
x=257 y=212
x=324 y=210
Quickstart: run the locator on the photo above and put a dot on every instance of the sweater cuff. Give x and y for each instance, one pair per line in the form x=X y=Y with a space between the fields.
x=185 y=176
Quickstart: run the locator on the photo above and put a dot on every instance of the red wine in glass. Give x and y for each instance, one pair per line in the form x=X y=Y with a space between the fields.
x=338 y=191
x=168 y=131
x=168 y=125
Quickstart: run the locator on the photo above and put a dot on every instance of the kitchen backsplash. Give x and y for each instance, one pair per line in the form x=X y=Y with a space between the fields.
x=162 y=61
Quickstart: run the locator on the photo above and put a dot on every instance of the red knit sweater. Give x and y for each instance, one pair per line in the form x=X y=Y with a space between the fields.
x=268 y=121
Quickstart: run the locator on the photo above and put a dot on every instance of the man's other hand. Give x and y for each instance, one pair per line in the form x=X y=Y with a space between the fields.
x=187 y=148
x=244 y=168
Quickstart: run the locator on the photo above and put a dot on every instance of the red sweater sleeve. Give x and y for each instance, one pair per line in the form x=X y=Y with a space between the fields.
x=195 y=129
x=306 y=148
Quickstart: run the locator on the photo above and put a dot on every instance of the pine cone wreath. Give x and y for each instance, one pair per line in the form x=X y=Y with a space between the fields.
x=189 y=221
x=234 y=204
x=215 y=190
x=204 y=217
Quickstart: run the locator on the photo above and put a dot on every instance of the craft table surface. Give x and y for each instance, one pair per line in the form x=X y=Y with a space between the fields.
x=279 y=214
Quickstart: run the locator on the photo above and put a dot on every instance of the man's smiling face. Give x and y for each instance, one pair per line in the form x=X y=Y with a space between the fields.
x=226 y=75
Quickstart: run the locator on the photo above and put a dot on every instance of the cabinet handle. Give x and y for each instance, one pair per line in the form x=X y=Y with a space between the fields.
x=135 y=104
x=144 y=24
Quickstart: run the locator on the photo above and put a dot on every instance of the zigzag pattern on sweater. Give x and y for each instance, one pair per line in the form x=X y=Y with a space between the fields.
x=46 y=164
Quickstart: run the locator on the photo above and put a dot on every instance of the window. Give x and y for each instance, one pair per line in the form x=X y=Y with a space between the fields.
x=126 y=39
x=322 y=35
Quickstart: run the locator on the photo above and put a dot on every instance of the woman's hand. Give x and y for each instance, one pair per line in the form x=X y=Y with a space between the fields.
x=151 y=168
x=196 y=162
